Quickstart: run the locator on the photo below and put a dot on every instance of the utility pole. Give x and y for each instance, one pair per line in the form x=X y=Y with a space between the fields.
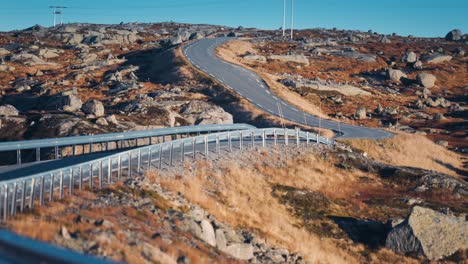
x=292 y=19
x=284 y=18
x=57 y=10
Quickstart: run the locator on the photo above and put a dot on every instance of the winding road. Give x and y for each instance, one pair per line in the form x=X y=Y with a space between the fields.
x=249 y=85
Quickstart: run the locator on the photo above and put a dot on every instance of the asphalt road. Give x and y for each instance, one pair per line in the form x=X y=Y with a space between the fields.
x=246 y=83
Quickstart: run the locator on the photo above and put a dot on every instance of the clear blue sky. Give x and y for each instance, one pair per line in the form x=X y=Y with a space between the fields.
x=415 y=17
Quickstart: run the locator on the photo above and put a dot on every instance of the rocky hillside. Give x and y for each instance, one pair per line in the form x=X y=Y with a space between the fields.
x=399 y=200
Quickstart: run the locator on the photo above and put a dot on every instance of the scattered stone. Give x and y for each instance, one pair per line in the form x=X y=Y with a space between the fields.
x=240 y=251
x=361 y=113
x=64 y=232
x=443 y=143
x=8 y=110
x=208 y=234
x=396 y=75
x=300 y=59
x=430 y=233
x=410 y=57
x=102 y=121
x=426 y=80
x=459 y=52
x=93 y=107
x=384 y=39
x=112 y=119
x=255 y=58
x=6 y=68
x=439 y=117
x=418 y=65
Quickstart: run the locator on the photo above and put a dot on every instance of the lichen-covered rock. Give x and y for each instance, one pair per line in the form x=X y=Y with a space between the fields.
x=429 y=233
x=396 y=75
x=203 y=113
x=426 y=80
x=93 y=107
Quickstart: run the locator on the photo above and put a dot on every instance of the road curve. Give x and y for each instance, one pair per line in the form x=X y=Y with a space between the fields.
x=249 y=85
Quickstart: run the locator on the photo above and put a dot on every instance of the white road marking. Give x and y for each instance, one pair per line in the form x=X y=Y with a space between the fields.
x=268 y=92
x=259 y=105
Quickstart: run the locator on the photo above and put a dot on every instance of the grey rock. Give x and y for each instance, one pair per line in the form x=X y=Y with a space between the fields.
x=384 y=39
x=4 y=52
x=49 y=53
x=426 y=80
x=112 y=119
x=221 y=241
x=6 y=68
x=439 y=117
x=201 y=113
x=395 y=75
x=8 y=110
x=102 y=121
x=410 y=57
x=430 y=233
x=418 y=65
x=436 y=58
x=240 y=251
x=361 y=113
x=454 y=35
x=68 y=103
x=93 y=107
x=300 y=59
x=208 y=234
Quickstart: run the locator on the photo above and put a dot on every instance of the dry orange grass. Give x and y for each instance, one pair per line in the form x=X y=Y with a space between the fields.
x=242 y=196
x=410 y=150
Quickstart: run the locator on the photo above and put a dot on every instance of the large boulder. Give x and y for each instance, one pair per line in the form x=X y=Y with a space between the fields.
x=454 y=35
x=300 y=59
x=66 y=101
x=436 y=58
x=49 y=53
x=8 y=110
x=426 y=80
x=429 y=233
x=93 y=107
x=240 y=251
x=395 y=75
x=203 y=113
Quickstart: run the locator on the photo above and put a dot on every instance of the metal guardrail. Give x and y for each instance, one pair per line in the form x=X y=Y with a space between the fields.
x=27 y=192
x=55 y=143
x=18 y=249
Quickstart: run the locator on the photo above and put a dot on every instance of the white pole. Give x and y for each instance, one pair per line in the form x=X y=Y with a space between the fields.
x=284 y=18
x=54 y=16
x=292 y=19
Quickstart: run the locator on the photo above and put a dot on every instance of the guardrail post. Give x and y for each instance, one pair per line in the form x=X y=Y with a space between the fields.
x=183 y=151
x=286 y=137
x=194 y=151
x=160 y=156
x=229 y=141
x=23 y=196
x=297 y=137
x=263 y=138
x=307 y=138
x=318 y=138
x=56 y=152
x=90 y=148
x=139 y=161
x=252 y=138
x=42 y=191
x=240 y=140
x=71 y=183
x=13 y=199
x=109 y=171
x=218 y=148
x=5 y=203
x=171 y=153
x=38 y=154
x=149 y=157
x=119 y=167
x=206 y=147
x=31 y=198
x=18 y=156
x=130 y=164
x=100 y=175
x=74 y=150
x=91 y=176
x=51 y=188
x=80 y=184
x=61 y=186
x=275 y=137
